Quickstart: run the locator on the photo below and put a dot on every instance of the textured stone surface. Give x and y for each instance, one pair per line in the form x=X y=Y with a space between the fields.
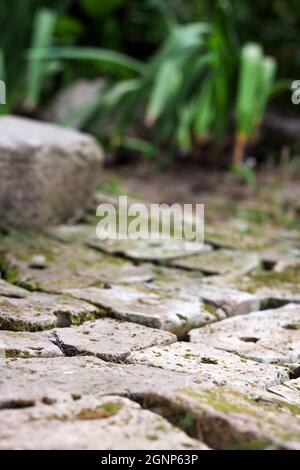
x=46 y=265
x=108 y=423
x=221 y=417
x=29 y=381
x=269 y=336
x=272 y=288
x=42 y=311
x=290 y=391
x=220 y=262
x=61 y=167
x=226 y=419
x=150 y=250
x=26 y=344
x=231 y=301
x=150 y=306
x=210 y=365
x=109 y=339
x=9 y=290
x=137 y=250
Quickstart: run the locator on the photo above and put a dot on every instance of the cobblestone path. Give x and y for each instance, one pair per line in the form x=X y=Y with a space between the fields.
x=140 y=345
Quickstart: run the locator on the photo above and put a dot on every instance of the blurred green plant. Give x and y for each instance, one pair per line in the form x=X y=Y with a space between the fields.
x=256 y=79
x=182 y=96
x=185 y=92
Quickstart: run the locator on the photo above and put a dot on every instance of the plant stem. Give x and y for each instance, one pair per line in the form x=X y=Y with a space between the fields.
x=239 y=148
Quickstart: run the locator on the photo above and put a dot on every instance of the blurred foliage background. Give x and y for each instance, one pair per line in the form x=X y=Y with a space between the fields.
x=158 y=78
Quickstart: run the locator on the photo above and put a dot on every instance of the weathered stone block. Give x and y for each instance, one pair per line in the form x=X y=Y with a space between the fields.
x=47 y=174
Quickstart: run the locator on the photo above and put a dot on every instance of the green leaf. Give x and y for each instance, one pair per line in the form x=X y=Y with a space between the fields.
x=250 y=75
x=2 y=66
x=100 y=8
x=166 y=83
x=116 y=59
x=204 y=110
x=268 y=72
x=43 y=29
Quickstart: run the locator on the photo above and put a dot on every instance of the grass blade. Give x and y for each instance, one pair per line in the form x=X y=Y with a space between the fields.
x=116 y=59
x=42 y=38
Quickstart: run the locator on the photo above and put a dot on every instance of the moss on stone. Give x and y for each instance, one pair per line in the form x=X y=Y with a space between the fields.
x=106 y=410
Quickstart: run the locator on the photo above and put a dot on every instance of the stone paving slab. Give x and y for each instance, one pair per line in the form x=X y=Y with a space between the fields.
x=30 y=381
x=210 y=365
x=109 y=339
x=150 y=306
x=269 y=336
x=232 y=420
x=9 y=290
x=108 y=423
x=290 y=391
x=42 y=311
x=137 y=250
x=220 y=262
x=226 y=419
x=49 y=266
x=26 y=344
x=272 y=288
x=241 y=236
x=150 y=250
x=231 y=301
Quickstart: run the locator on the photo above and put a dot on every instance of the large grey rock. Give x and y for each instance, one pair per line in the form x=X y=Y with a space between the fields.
x=42 y=311
x=47 y=174
x=150 y=306
x=109 y=339
x=111 y=422
x=268 y=336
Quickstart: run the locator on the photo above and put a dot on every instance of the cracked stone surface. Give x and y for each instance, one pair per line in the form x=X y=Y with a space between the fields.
x=226 y=419
x=141 y=250
x=9 y=290
x=42 y=311
x=178 y=396
x=269 y=336
x=230 y=301
x=210 y=365
x=270 y=286
x=220 y=262
x=110 y=339
x=150 y=250
x=26 y=344
x=290 y=391
x=110 y=423
x=30 y=381
x=150 y=306
x=229 y=379
x=52 y=267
